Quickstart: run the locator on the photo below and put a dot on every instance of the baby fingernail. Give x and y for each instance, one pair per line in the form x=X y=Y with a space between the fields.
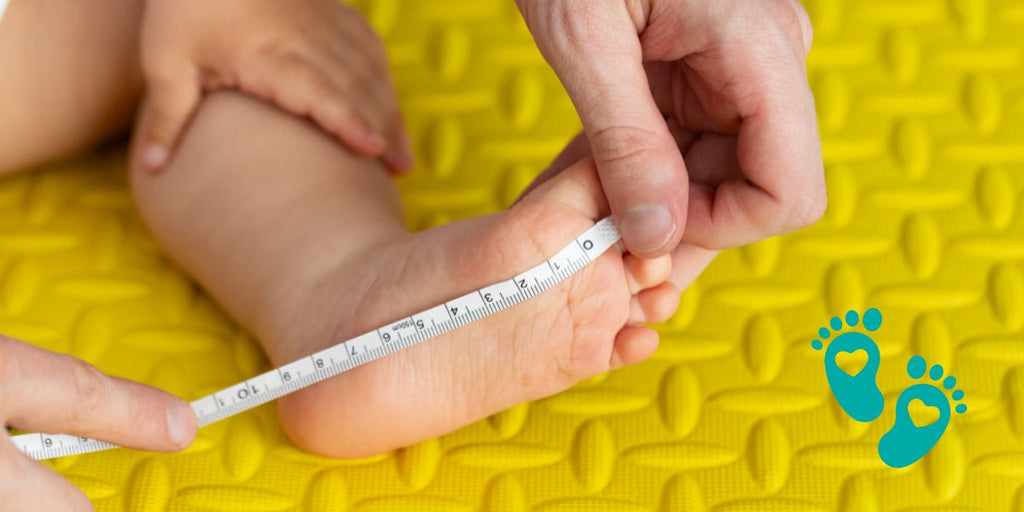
x=154 y=156
x=647 y=228
x=375 y=141
x=404 y=153
x=181 y=424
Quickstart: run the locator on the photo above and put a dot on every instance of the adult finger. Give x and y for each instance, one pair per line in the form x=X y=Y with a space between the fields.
x=712 y=160
x=28 y=485
x=597 y=55
x=49 y=392
x=173 y=92
x=777 y=149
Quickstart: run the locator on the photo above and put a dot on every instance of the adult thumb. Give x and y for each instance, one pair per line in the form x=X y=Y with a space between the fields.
x=172 y=96
x=641 y=168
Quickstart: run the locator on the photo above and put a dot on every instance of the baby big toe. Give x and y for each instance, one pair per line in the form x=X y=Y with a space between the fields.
x=633 y=344
x=642 y=273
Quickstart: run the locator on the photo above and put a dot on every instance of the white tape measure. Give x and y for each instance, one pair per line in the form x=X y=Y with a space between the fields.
x=366 y=347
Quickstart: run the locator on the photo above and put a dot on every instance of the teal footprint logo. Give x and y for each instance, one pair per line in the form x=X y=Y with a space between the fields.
x=858 y=394
x=906 y=442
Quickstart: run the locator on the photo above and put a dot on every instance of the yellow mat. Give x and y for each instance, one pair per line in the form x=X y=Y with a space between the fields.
x=921 y=111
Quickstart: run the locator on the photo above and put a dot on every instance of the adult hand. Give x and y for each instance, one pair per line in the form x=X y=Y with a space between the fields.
x=722 y=82
x=47 y=392
x=309 y=57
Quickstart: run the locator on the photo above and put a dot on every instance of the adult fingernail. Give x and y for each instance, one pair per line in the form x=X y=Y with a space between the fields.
x=154 y=156
x=647 y=228
x=181 y=422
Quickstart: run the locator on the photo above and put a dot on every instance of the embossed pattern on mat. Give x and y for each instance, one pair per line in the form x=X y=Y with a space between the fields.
x=921 y=106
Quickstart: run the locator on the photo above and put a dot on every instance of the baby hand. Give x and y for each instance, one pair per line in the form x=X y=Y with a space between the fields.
x=310 y=57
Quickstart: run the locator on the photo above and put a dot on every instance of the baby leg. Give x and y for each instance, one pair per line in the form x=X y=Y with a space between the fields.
x=70 y=76
x=303 y=243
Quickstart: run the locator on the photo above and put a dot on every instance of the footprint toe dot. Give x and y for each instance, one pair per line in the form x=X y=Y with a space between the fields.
x=823 y=332
x=936 y=372
x=872 y=319
x=816 y=344
x=836 y=323
x=916 y=367
x=852 y=318
x=958 y=394
x=949 y=382
x=961 y=408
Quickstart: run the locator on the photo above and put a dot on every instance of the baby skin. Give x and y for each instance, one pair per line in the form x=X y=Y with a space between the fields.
x=305 y=245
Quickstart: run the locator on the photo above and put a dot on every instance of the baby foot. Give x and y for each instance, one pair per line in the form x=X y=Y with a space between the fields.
x=858 y=393
x=906 y=442
x=586 y=325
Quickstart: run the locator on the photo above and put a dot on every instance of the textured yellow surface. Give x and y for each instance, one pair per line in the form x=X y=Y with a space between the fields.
x=922 y=115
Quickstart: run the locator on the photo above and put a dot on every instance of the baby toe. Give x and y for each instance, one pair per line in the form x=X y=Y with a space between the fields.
x=688 y=261
x=642 y=273
x=654 y=304
x=633 y=344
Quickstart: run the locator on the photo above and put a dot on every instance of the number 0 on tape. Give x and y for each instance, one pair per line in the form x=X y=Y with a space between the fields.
x=366 y=347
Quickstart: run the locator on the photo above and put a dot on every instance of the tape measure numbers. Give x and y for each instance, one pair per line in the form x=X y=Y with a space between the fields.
x=366 y=347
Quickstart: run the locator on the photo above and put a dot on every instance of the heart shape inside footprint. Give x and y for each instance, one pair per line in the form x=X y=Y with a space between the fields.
x=852 y=362
x=921 y=413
